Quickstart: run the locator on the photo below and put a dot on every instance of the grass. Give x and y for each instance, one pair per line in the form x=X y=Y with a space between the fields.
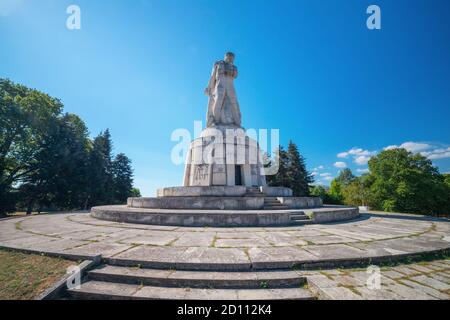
x=25 y=276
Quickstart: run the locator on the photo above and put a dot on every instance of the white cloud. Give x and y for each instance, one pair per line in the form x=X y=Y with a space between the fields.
x=360 y=156
x=415 y=146
x=431 y=151
x=328 y=178
x=411 y=146
x=362 y=170
x=362 y=160
x=340 y=164
x=440 y=153
x=325 y=174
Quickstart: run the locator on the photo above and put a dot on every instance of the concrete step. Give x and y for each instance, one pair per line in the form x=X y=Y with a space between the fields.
x=276 y=207
x=299 y=217
x=198 y=279
x=301 y=222
x=119 y=291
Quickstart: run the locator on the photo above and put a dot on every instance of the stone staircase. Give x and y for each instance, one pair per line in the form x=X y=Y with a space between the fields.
x=271 y=203
x=116 y=282
x=254 y=192
x=300 y=218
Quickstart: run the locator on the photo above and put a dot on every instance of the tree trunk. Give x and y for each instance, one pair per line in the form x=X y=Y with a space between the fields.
x=30 y=207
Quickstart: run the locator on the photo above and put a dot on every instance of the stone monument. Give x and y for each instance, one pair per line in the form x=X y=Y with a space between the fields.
x=224 y=155
x=224 y=180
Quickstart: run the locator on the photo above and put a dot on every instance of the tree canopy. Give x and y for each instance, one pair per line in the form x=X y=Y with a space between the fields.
x=48 y=161
x=398 y=181
x=292 y=172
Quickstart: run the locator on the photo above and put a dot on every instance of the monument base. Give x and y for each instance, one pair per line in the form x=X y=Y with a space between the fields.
x=224 y=206
x=224 y=218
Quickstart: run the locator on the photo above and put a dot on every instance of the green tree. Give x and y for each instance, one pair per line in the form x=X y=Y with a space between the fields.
x=135 y=192
x=338 y=188
x=100 y=170
x=345 y=177
x=335 y=192
x=123 y=178
x=26 y=116
x=280 y=179
x=447 y=179
x=406 y=182
x=298 y=177
x=356 y=192
x=47 y=159
x=321 y=192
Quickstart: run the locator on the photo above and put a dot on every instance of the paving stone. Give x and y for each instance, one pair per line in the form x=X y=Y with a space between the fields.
x=275 y=294
x=85 y=235
x=378 y=294
x=440 y=265
x=279 y=239
x=408 y=293
x=105 y=288
x=339 y=293
x=349 y=280
x=199 y=239
x=105 y=249
x=311 y=232
x=150 y=240
x=429 y=291
x=328 y=239
x=406 y=270
x=392 y=274
x=278 y=257
x=430 y=282
x=322 y=281
x=331 y=272
x=421 y=268
x=441 y=276
x=236 y=243
x=30 y=241
x=337 y=250
x=240 y=235
x=226 y=258
x=168 y=255
x=61 y=245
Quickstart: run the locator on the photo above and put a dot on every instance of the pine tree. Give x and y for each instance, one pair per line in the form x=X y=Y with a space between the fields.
x=345 y=177
x=298 y=178
x=123 y=178
x=280 y=179
x=101 y=175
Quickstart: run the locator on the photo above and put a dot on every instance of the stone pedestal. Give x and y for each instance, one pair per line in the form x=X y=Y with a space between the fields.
x=224 y=156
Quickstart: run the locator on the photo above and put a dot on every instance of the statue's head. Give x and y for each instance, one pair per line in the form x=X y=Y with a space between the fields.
x=229 y=57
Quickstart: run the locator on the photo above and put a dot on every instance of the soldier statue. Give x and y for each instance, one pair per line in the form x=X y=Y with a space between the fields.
x=223 y=107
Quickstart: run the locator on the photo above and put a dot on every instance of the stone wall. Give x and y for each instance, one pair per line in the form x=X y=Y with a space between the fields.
x=301 y=202
x=205 y=203
x=210 y=191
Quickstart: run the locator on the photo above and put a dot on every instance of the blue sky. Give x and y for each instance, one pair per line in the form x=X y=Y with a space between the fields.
x=309 y=68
